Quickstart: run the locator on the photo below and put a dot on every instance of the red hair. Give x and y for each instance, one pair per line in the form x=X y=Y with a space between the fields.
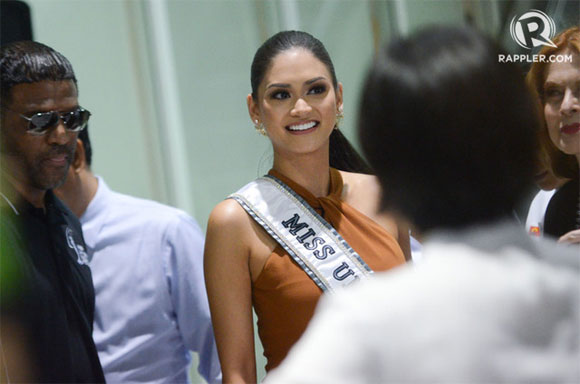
x=567 y=41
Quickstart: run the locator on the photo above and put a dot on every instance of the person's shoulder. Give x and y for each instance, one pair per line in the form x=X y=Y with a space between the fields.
x=502 y=276
x=230 y=226
x=361 y=184
x=362 y=192
x=459 y=273
x=139 y=207
x=228 y=214
x=361 y=179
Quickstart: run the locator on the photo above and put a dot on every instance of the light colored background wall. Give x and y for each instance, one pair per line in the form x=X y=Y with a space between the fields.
x=166 y=81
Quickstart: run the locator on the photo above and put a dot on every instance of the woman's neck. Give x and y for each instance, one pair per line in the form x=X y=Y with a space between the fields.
x=311 y=171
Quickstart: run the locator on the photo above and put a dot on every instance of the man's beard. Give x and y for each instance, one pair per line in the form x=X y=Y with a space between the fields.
x=37 y=172
x=42 y=176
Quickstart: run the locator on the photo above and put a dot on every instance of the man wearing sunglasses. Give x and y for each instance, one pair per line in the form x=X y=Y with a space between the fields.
x=53 y=299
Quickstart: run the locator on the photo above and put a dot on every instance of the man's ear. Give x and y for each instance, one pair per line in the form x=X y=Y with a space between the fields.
x=79 y=162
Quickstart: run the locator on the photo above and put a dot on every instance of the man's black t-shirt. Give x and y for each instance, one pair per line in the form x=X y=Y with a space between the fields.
x=55 y=299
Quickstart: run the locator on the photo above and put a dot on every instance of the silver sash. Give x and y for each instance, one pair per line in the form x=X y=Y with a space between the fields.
x=309 y=239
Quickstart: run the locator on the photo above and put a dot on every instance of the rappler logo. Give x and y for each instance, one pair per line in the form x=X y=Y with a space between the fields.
x=532 y=29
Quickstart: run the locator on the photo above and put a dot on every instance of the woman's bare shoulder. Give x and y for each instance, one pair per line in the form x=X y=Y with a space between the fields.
x=360 y=187
x=228 y=214
x=231 y=230
x=363 y=192
x=228 y=233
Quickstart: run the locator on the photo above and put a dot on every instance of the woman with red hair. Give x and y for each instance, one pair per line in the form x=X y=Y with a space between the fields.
x=556 y=81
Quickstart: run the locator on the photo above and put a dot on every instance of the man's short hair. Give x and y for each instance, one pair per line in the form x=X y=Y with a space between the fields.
x=449 y=131
x=31 y=62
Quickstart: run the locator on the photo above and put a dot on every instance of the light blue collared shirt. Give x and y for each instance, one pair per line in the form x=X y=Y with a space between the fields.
x=151 y=305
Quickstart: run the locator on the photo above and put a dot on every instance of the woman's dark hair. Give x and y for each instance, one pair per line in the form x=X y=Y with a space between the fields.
x=450 y=131
x=342 y=154
x=564 y=165
x=31 y=62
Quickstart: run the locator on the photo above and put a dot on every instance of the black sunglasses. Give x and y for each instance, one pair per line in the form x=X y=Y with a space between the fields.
x=40 y=123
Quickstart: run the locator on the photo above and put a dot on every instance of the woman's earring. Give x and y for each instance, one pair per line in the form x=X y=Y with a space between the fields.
x=259 y=128
x=339 y=117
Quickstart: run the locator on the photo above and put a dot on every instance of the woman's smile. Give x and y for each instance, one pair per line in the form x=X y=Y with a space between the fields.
x=302 y=128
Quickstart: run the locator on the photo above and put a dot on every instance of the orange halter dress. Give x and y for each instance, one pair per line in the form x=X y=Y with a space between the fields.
x=283 y=295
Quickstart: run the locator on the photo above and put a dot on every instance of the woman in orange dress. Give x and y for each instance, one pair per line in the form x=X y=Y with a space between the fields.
x=296 y=101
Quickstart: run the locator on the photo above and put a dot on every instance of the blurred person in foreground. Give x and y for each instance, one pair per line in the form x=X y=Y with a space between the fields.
x=53 y=300
x=146 y=259
x=454 y=131
x=557 y=87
